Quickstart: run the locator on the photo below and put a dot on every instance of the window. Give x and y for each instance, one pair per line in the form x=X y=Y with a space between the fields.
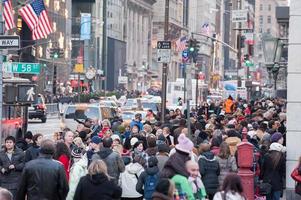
x=261 y=7
x=269 y=19
x=260 y=19
x=269 y=7
x=268 y=30
x=260 y=30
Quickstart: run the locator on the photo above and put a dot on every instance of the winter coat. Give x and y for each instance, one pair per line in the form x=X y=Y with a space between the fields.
x=65 y=160
x=43 y=178
x=209 y=170
x=215 y=150
x=78 y=170
x=11 y=178
x=97 y=187
x=226 y=166
x=113 y=161
x=229 y=195
x=32 y=153
x=142 y=178
x=182 y=181
x=175 y=165
x=162 y=159
x=129 y=180
x=273 y=174
x=160 y=196
x=137 y=123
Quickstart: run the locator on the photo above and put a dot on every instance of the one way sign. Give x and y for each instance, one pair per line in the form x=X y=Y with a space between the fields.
x=9 y=42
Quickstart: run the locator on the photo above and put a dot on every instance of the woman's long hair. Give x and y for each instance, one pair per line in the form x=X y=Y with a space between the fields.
x=275 y=158
x=232 y=183
x=61 y=149
x=224 y=151
x=98 y=167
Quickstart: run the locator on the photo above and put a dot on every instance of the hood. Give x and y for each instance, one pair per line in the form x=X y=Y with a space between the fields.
x=209 y=156
x=134 y=168
x=97 y=179
x=104 y=152
x=152 y=170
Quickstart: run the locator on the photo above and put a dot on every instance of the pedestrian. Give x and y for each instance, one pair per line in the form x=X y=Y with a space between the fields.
x=209 y=170
x=162 y=155
x=227 y=163
x=11 y=165
x=97 y=184
x=63 y=155
x=43 y=178
x=106 y=125
x=5 y=194
x=169 y=138
x=296 y=176
x=137 y=122
x=164 y=190
x=273 y=171
x=68 y=137
x=231 y=189
x=33 y=152
x=94 y=147
x=129 y=180
x=148 y=179
x=111 y=158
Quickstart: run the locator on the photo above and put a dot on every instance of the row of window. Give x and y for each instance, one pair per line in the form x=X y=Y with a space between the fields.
x=269 y=7
x=269 y=19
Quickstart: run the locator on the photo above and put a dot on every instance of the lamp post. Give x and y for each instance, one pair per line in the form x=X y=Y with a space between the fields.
x=272 y=49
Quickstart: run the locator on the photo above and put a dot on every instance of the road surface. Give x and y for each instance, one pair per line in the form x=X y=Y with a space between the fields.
x=51 y=126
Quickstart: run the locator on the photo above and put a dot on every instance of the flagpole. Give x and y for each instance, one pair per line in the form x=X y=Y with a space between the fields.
x=1 y=72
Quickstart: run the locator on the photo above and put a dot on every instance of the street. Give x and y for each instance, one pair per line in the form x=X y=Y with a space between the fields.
x=47 y=129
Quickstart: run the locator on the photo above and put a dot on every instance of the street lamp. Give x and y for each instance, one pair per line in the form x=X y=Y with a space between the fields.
x=272 y=49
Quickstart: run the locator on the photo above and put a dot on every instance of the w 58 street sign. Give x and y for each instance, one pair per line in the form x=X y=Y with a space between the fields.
x=21 y=68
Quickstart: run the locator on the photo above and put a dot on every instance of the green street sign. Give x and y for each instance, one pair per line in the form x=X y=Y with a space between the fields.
x=21 y=68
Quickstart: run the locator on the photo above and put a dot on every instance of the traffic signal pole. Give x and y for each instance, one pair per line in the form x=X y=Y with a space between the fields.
x=165 y=65
x=1 y=73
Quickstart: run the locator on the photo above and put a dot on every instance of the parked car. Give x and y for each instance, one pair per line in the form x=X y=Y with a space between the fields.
x=38 y=109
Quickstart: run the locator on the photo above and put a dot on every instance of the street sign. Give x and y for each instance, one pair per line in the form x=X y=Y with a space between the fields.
x=239 y=15
x=185 y=55
x=78 y=68
x=9 y=42
x=163 y=51
x=21 y=68
x=26 y=93
x=122 y=79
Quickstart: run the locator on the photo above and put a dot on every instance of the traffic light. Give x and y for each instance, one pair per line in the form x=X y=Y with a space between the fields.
x=193 y=47
x=56 y=53
x=246 y=57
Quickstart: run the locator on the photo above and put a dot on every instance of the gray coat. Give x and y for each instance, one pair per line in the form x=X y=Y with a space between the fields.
x=113 y=160
x=10 y=179
x=226 y=166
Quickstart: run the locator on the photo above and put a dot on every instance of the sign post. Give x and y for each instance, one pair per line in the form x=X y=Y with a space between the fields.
x=164 y=51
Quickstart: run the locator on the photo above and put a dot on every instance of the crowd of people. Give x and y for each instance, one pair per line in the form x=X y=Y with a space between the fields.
x=153 y=160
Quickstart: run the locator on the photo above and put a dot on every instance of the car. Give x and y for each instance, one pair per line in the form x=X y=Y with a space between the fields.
x=81 y=112
x=148 y=105
x=132 y=104
x=38 y=109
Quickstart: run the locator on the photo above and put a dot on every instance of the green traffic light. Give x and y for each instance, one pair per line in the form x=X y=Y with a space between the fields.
x=191 y=49
x=56 y=55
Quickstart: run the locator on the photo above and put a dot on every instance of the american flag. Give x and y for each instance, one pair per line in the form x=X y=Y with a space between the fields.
x=181 y=43
x=36 y=17
x=8 y=15
x=205 y=29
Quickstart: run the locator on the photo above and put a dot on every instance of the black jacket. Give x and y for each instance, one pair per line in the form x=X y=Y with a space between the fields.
x=273 y=174
x=97 y=187
x=32 y=153
x=210 y=170
x=142 y=178
x=10 y=179
x=43 y=178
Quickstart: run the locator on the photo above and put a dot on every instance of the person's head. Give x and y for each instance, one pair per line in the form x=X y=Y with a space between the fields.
x=166 y=131
x=47 y=147
x=224 y=151
x=107 y=142
x=10 y=142
x=76 y=154
x=182 y=122
x=79 y=142
x=232 y=183
x=88 y=122
x=98 y=167
x=61 y=149
x=138 y=117
x=37 y=139
x=68 y=138
x=139 y=146
x=135 y=129
x=28 y=137
x=106 y=123
x=116 y=139
x=108 y=133
x=5 y=194
x=150 y=112
x=95 y=141
x=192 y=168
x=184 y=145
x=165 y=187
x=277 y=137
x=147 y=128
x=151 y=141
x=171 y=112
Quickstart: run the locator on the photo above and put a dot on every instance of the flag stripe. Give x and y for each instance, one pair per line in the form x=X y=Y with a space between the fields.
x=8 y=15
x=181 y=43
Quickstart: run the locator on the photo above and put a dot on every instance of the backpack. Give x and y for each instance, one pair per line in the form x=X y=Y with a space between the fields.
x=150 y=185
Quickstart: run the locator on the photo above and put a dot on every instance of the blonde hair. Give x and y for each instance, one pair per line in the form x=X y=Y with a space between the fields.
x=79 y=142
x=98 y=167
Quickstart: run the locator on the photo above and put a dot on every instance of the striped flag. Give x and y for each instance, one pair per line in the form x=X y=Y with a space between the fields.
x=205 y=29
x=36 y=17
x=181 y=43
x=8 y=15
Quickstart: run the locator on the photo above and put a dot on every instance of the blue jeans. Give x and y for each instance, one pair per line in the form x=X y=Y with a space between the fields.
x=276 y=195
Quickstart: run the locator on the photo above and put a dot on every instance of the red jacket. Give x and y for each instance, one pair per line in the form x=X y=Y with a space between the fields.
x=66 y=162
x=103 y=131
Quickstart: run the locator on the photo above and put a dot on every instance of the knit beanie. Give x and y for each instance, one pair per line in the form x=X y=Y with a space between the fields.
x=184 y=144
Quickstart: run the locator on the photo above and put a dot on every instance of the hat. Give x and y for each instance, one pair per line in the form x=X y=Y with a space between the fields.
x=277 y=147
x=163 y=148
x=115 y=137
x=152 y=161
x=96 y=140
x=184 y=144
x=276 y=137
x=76 y=153
x=133 y=141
